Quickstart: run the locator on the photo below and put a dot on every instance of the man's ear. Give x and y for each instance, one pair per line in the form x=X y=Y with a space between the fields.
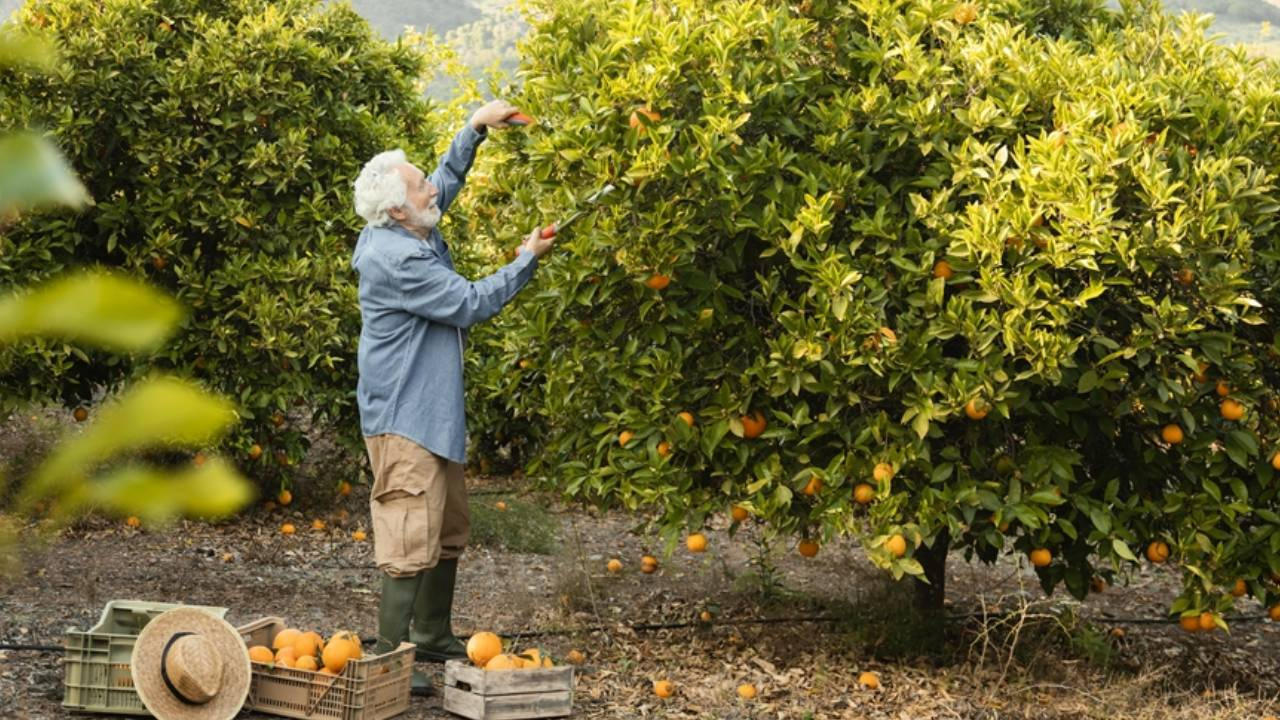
x=398 y=214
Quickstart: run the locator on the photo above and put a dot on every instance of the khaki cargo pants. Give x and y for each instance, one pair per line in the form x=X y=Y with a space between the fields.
x=418 y=506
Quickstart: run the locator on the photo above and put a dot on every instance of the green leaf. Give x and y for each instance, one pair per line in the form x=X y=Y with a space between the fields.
x=713 y=435
x=213 y=490
x=101 y=309
x=1123 y=550
x=19 y=47
x=1088 y=381
x=33 y=173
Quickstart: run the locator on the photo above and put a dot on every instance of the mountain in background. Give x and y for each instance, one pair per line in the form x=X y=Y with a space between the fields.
x=484 y=32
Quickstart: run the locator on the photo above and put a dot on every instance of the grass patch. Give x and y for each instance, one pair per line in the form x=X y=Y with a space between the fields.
x=523 y=526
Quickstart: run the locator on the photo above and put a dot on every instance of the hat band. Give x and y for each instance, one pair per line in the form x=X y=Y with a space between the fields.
x=164 y=668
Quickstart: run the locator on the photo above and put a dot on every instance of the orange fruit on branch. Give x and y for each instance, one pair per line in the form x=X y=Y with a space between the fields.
x=1172 y=434
x=753 y=425
x=1041 y=557
x=1157 y=552
x=863 y=493
x=696 y=542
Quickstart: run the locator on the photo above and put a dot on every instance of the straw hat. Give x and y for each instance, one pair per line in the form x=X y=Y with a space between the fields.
x=191 y=665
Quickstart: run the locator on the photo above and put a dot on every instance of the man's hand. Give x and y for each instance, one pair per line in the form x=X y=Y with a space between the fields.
x=537 y=244
x=493 y=114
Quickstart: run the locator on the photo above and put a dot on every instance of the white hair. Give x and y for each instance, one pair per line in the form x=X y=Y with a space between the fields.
x=380 y=187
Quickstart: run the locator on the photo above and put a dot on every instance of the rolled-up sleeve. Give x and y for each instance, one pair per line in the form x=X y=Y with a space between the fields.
x=430 y=289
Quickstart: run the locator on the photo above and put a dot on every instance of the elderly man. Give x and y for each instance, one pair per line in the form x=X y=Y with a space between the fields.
x=414 y=310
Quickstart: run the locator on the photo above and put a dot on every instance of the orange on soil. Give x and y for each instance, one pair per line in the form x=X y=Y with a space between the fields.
x=976 y=409
x=896 y=545
x=344 y=489
x=1040 y=557
x=740 y=513
x=261 y=654
x=808 y=548
x=746 y=691
x=285 y=497
x=133 y=521
x=288 y=529
x=615 y=566
x=80 y=414
x=358 y=536
x=1273 y=612
x=863 y=493
x=869 y=680
x=483 y=647
x=696 y=542
x=1172 y=434
x=575 y=656
x=317 y=524
x=753 y=425
x=663 y=689
x=1157 y=552
x=500 y=505
x=705 y=616
x=1231 y=410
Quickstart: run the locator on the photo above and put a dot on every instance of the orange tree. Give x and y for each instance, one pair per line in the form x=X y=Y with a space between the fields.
x=933 y=275
x=220 y=140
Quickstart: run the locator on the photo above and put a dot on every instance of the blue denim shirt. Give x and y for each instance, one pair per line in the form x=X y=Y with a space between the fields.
x=414 y=310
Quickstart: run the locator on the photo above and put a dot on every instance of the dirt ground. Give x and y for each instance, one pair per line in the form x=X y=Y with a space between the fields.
x=802 y=643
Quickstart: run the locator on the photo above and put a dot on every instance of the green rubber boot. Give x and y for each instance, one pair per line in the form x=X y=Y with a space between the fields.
x=394 y=615
x=432 y=629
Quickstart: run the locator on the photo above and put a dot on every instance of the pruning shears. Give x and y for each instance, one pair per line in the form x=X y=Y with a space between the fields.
x=587 y=205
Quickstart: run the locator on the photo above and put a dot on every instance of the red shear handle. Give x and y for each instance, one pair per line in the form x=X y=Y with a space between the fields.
x=548 y=231
x=519 y=119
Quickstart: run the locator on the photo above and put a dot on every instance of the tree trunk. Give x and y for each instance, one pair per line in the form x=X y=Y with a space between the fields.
x=929 y=596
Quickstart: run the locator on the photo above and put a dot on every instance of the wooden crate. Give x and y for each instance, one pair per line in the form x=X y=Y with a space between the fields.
x=507 y=694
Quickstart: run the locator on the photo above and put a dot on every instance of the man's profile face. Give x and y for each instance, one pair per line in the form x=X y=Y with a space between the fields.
x=420 y=213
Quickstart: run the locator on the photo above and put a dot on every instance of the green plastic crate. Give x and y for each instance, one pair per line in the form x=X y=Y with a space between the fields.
x=97 y=677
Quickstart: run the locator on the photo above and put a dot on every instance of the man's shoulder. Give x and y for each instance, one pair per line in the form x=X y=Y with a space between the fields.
x=391 y=246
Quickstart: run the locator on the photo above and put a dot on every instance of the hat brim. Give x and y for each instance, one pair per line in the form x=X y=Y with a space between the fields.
x=148 y=681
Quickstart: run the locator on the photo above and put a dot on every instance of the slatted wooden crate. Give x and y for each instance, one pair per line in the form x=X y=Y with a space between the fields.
x=507 y=694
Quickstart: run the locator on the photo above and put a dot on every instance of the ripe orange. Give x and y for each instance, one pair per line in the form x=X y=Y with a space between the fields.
x=1202 y=374
x=657 y=281
x=1275 y=461
x=869 y=680
x=308 y=643
x=1097 y=584
x=976 y=409
x=1040 y=557
x=261 y=654
x=341 y=648
x=255 y=452
x=285 y=656
x=746 y=691
x=1231 y=410
x=753 y=425
x=896 y=545
x=634 y=121
x=575 y=656
x=1157 y=552
x=501 y=506
x=687 y=417
x=740 y=513
x=883 y=472
x=814 y=486
x=483 y=647
x=277 y=419
x=1222 y=388
x=307 y=662
x=1240 y=588
x=344 y=488
x=80 y=414
x=1172 y=434
x=317 y=524
x=1186 y=276
x=133 y=521
x=942 y=269
x=663 y=689
x=705 y=616
x=198 y=460
x=664 y=449
x=1189 y=623
x=965 y=13
x=624 y=437
x=158 y=262
x=1207 y=621
x=696 y=542
x=808 y=548
x=285 y=638
x=285 y=497
x=648 y=564
x=288 y=529
x=863 y=493
x=1273 y=612
x=504 y=661
x=614 y=566
x=358 y=536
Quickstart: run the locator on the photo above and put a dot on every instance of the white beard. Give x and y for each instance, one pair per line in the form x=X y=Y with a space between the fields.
x=425 y=219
